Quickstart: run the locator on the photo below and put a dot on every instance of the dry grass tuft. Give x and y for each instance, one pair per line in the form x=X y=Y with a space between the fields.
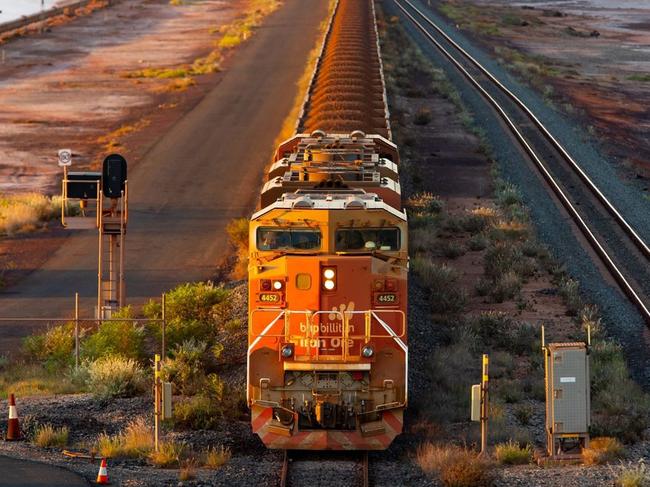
x=511 y=453
x=188 y=470
x=217 y=457
x=602 y=450
x=48 y=435
x=25 y=212
x=456 y=467
x=111 y=140
x=135 y=441
x=633 y=475
x=169 y=454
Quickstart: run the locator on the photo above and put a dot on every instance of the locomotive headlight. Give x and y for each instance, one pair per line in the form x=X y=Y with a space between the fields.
x=329 y=278
x=277 y=285
x=287 y=350
x=367 y=351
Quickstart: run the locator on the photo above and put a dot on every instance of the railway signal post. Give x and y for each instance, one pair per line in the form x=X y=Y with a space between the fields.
x=112 y=230
x=103 y=204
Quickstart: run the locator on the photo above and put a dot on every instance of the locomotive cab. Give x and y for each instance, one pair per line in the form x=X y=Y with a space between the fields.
x=327 y=357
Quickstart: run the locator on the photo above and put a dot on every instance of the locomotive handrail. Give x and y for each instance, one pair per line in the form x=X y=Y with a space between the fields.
x=311 y=330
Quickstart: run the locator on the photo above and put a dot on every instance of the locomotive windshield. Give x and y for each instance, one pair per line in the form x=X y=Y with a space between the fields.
x=367 y=239
x=288 y=239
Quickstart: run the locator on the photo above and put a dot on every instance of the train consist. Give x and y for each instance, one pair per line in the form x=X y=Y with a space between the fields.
x=328 y=262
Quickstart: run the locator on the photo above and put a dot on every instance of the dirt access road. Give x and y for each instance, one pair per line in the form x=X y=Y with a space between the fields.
x=203 y=172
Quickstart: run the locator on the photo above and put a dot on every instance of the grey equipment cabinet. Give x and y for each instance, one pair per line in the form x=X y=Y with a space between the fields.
x=567 y=398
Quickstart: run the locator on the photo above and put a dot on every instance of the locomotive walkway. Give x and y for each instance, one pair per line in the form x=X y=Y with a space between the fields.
x=201 y=174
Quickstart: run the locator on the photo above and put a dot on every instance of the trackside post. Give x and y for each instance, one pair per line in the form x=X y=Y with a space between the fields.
x=156 y=402
x=484 y=404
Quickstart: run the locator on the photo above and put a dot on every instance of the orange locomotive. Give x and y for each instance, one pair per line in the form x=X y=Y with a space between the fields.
x=327 y=345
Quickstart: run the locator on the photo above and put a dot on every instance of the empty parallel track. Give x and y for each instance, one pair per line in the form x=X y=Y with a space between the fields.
x=622 y=250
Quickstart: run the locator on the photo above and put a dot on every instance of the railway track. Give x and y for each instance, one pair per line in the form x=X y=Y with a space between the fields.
x=329 y=468
x=622 y=250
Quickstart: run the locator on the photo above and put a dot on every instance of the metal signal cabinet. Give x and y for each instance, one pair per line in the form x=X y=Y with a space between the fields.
x=567 y=398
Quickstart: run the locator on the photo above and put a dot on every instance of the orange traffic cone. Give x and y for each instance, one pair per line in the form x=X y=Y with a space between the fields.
x=13 y=428
x=102 y=476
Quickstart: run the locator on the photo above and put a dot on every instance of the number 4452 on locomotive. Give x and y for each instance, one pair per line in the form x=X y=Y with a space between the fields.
x=327 y=348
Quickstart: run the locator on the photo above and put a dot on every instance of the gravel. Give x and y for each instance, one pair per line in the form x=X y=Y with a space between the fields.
x=622 y=320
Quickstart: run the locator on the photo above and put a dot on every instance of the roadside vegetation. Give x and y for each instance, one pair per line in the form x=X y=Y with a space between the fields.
x=230 y=35
x=487 y=312
x=205 y=331
x=26 y=212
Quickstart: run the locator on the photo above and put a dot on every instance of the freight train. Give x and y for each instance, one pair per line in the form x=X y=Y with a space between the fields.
x=328 y=262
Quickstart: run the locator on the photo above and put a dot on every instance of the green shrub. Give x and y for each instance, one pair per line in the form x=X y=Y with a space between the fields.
x=423 y=239
x=509 y=390
x=194 y=301
x=189 y=312
x=507 y=194
x=569 y=289
x=503 y=257
x=445 y=294
x=511 y=453
x=620 y=408
x=54 y=348
x=124 y=338
x=505 y=287
x=186 y=367
x=452 y=250
x=478 y=242
x=198 y=412
x=115 y=376
x=523 y=413
x=493 y=328
x=450 y=369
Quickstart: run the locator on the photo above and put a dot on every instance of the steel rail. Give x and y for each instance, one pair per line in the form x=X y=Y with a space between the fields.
x=365 y=469
x=284 y=472
x=595 y=190
x=573 y=212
